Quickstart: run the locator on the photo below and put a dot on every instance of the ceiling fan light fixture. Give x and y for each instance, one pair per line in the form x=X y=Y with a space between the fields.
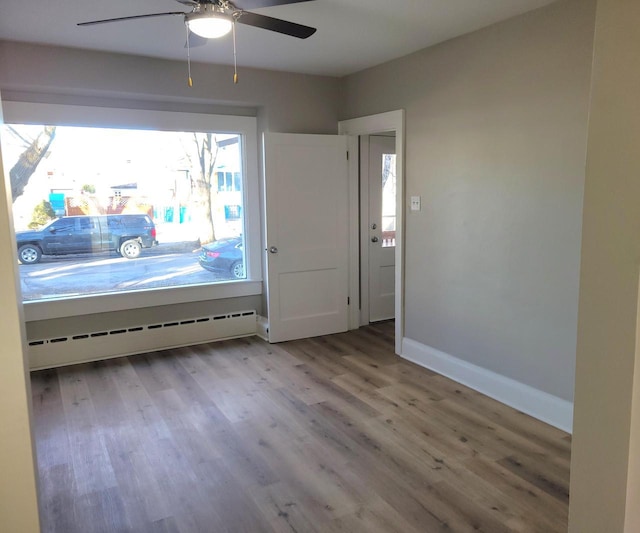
x=209 y=25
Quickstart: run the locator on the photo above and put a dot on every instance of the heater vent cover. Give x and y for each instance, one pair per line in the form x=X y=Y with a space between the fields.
x=96 y=345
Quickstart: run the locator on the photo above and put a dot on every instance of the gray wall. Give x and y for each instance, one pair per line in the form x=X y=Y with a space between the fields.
x=496 y=126
x=282 y=102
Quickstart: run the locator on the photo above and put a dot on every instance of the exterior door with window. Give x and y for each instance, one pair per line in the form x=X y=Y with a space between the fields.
x=307 y=241
x=382 y=227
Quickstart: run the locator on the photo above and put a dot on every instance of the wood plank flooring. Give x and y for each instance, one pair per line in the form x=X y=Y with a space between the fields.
x=331 y=434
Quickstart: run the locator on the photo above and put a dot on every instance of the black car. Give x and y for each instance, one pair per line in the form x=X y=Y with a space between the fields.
x=126 y=234
x=225 y=256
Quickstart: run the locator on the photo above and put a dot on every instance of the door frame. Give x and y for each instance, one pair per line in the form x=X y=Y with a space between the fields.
x=367 y=125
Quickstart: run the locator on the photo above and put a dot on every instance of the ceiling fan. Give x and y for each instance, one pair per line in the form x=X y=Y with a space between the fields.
x=211 y=19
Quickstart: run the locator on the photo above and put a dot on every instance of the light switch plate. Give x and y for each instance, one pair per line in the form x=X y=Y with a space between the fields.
x=415 y=203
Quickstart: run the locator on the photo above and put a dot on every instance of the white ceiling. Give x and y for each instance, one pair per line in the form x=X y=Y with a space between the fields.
x=352 y=34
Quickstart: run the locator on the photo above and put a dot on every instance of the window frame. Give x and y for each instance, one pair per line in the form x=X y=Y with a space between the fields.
x=103 y=117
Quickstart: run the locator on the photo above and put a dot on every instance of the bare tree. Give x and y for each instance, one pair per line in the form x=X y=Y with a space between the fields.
x=202 y=186
x=35 y=151
x=388 y=168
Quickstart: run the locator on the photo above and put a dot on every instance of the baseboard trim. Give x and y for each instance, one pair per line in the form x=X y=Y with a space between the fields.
x=534 y=402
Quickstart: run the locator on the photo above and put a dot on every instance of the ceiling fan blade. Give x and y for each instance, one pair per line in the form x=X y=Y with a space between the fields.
x=278 y=25
x=257 y=4
x=191 y=3
x=92 y=22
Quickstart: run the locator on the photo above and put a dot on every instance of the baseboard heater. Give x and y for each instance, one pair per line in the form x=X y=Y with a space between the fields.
x=96 y=345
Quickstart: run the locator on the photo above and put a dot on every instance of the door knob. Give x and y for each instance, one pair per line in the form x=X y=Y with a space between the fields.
x=374 y=239
x=273 y=250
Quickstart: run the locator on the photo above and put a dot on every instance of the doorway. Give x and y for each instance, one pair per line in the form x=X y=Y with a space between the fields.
x=389 y=122
x=377 y=226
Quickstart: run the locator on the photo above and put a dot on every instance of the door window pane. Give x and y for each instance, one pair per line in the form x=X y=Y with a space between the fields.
x=388 y=200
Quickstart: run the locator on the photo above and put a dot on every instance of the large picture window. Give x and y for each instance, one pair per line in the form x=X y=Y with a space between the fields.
x=100 y=210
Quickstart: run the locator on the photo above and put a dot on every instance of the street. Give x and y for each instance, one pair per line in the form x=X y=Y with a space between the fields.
x=75 y=275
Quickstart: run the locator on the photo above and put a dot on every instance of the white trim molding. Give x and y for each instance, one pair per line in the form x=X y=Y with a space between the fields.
x=534 y=402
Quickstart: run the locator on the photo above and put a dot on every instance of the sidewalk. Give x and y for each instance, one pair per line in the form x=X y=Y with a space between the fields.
x=173 y=247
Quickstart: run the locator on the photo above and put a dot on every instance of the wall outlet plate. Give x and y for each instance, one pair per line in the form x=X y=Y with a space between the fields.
x=415 y=203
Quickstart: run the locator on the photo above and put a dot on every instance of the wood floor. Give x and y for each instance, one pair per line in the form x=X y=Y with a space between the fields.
x=328 y=434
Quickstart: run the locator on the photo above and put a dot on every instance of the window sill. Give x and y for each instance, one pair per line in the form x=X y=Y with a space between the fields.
x=103 y=303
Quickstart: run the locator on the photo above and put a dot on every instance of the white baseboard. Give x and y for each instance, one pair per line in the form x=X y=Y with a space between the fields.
x=539 y=404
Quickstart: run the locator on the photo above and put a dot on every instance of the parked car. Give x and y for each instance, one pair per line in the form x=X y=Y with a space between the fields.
x=125 y=234
x=225 y=256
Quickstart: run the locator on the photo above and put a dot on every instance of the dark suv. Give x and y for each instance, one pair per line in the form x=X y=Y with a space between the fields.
x=125 y=234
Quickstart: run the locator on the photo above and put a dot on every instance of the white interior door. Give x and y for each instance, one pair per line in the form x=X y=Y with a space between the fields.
x=307 y=242
x=382 y=227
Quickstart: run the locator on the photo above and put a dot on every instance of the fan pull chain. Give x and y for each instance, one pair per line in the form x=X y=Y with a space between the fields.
x=189 y=80
x=235 y=57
